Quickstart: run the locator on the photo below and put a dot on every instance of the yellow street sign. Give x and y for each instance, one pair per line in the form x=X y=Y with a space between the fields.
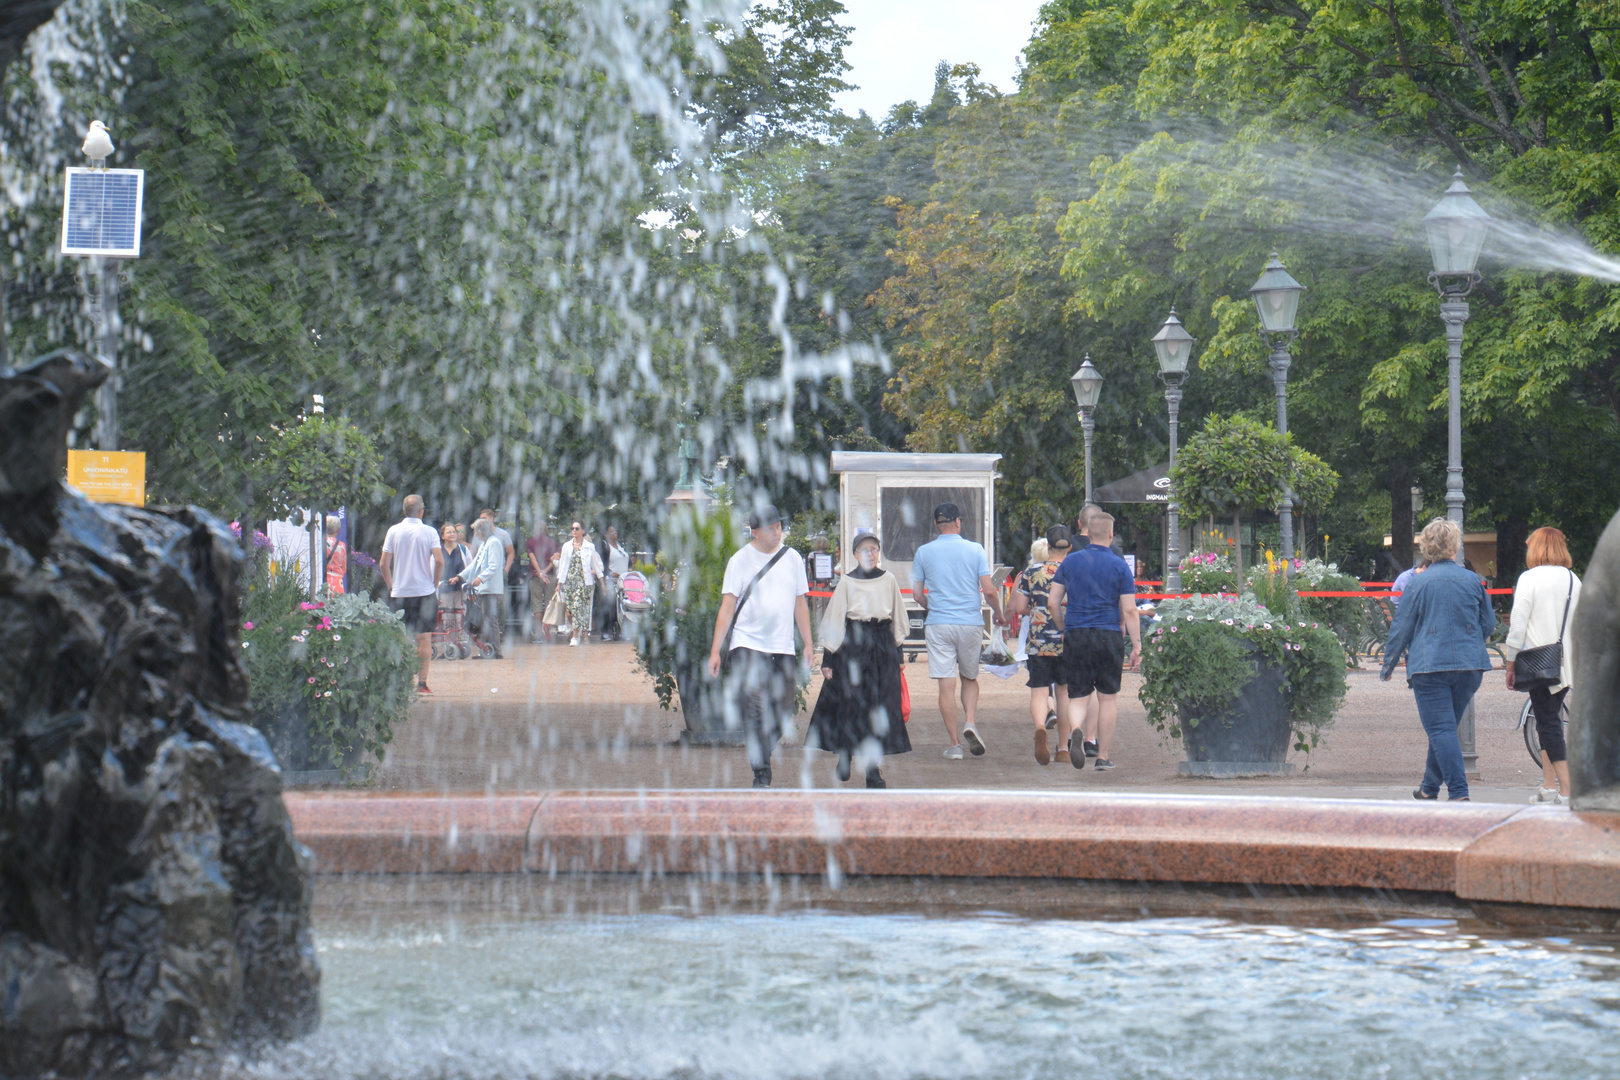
x=109 y=476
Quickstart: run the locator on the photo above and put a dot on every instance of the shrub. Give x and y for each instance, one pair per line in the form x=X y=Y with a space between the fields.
x=346 y=668
x=672 y=644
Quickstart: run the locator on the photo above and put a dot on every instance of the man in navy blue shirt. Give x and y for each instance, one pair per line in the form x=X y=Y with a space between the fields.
x=1091 y=598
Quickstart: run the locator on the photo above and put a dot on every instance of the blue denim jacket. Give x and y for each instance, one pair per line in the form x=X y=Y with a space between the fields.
x=1443 y=622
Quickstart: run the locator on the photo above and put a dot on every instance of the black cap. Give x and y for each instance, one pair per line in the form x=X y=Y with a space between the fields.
x=765 y=515
x=1059 y=536
x=945 y=513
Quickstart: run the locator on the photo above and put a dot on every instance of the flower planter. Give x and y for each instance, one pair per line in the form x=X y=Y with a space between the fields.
x=704 y=711
x=1248 y=737
x=303 y=756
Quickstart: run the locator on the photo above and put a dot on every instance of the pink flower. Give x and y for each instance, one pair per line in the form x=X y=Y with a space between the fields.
x=325 y=623
x=312 y=680
x=305 y=605
x=247 y=626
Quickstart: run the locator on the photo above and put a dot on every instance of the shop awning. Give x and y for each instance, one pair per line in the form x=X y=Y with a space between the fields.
x=1151 y=485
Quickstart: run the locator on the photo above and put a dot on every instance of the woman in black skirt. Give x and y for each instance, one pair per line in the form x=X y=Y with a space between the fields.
x=858 y=712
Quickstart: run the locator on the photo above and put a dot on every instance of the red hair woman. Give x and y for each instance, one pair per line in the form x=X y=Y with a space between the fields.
x=1544 y=602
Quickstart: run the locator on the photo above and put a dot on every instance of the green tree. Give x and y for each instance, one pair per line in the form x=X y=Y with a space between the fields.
x=1235 y=464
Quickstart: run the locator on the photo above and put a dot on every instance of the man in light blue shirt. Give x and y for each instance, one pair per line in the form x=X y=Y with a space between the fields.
x=948 y=576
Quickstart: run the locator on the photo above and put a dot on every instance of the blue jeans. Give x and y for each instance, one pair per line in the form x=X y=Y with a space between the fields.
x=1442 y=697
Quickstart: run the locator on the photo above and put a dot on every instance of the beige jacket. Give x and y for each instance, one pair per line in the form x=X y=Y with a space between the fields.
x=1538 y=604
x=866 y=599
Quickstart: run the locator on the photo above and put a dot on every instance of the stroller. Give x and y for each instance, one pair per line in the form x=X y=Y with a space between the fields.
x=635 y=600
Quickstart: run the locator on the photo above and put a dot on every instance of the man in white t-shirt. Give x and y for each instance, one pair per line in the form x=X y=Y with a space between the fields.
x=412 y=562
x=764 y=594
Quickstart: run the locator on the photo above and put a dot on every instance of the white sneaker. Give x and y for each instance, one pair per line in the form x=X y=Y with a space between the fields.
x=1560 y=800
x=953 y=753
x=573 y=641
x=1546 y=795
x=971 y=739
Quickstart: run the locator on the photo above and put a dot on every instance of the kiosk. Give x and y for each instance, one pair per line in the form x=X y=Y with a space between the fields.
x=894 y=495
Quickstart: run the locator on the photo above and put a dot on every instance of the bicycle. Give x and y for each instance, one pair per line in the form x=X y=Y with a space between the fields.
x=1527 y=723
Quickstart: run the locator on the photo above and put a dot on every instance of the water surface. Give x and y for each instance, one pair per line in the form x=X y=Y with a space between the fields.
x=840 y=994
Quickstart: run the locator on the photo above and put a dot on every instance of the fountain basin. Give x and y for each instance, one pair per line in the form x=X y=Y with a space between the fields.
x=1482 y=853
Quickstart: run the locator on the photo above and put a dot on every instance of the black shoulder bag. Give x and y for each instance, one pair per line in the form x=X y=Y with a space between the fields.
x=1543 y=664
x=725 y=645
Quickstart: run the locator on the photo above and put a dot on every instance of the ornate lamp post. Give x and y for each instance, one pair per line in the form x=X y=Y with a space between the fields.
x=1087 y=383
x=1276 y=298
x=1174 y=346
x=1456 y=226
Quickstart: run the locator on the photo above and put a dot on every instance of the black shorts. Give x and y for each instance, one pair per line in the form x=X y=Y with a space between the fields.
x=421 y=613
x=1093 y=659
x=1044 y=671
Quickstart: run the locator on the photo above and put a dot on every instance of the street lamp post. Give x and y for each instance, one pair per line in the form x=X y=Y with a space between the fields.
x=1276 y=298
x=1174 y=347
x=1087 y=383
x=1456 y=230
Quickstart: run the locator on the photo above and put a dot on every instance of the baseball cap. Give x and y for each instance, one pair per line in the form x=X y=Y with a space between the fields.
x=862 y=535
x=945 y=513
x=765 y=515
x=1059 y=536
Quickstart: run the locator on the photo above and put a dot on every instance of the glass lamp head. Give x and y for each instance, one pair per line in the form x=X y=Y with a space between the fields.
x=1457 y=227
x=1087 y=383
x=1174 y=346
x=1276 y=297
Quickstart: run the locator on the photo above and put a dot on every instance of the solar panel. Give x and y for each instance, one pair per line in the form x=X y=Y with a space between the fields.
x=101 y=212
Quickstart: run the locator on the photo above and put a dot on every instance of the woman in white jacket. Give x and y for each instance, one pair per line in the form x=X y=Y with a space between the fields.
x=1544 y=602
x=579 y=568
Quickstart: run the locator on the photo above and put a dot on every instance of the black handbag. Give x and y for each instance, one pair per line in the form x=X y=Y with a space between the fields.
x=1543 y=664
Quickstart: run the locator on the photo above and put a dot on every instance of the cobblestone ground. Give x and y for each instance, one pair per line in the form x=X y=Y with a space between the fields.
x=552 y=717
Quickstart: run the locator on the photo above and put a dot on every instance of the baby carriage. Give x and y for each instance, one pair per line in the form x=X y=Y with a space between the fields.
x=635 y=600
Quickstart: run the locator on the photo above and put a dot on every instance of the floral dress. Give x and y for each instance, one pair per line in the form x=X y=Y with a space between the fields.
x=577 y=594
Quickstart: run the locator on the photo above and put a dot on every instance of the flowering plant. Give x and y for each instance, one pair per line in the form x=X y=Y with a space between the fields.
x=1346 y=616
x=345 y=668
x=1209 y=572
x=1204 y=650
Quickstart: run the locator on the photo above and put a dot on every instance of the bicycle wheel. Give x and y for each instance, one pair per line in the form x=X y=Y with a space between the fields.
x=1532 y=741
x=1532 y=738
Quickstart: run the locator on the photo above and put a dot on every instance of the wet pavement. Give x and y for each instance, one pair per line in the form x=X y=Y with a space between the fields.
x=552 y=717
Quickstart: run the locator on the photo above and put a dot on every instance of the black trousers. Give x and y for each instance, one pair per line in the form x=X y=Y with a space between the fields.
x=759 y=698
x=1549 y=708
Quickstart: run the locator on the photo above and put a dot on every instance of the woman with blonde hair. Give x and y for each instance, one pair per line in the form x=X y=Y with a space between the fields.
x=1544 y=602
x=1442 y=625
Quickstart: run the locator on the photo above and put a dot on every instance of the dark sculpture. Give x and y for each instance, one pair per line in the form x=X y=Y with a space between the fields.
x=153 y=901
x=1594 y=720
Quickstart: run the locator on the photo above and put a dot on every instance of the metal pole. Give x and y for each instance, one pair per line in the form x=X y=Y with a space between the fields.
x=1087 y=427
x=1172 y=571
x=1454 y=313
x=1280 y=361
x=103 y=291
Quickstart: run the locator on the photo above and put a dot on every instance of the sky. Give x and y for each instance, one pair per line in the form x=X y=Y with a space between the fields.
x=896 y=43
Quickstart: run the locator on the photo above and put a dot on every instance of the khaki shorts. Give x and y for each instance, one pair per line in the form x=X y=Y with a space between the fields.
x=953 y=649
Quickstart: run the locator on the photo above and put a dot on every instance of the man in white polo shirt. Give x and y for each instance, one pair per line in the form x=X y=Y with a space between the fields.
x=411 y=564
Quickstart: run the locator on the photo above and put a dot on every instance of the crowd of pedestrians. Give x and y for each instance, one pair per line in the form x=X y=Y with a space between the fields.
x=1082 y=631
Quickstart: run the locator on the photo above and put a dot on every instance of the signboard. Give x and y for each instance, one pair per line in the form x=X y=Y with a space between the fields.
x=101 y=212
x=109 y=476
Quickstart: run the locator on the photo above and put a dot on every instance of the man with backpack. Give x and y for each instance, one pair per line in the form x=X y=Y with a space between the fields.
x=763 y=600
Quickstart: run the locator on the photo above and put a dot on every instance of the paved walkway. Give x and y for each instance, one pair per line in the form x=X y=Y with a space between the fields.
x=554 y=717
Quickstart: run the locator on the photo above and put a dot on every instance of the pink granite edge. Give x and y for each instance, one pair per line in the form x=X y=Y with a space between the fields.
x=1545 y=855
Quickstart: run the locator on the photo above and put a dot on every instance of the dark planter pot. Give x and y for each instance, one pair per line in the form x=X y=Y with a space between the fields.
x=704 y=712
x=1252 y=730
x=297 y=749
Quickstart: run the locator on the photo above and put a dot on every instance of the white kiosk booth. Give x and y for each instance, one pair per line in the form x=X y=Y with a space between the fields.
x=894 y=495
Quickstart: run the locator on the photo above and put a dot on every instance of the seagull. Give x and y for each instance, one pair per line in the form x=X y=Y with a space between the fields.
x=97 y=145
